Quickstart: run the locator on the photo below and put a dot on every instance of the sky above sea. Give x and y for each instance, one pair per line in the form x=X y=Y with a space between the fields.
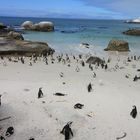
x=82 y=9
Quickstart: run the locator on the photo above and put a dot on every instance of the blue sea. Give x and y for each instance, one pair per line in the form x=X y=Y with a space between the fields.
x=70 y=33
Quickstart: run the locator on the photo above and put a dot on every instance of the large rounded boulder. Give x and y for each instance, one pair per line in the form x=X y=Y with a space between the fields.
x=117 y=45
x=27 y=25
x=46 y=26
x=15 y=35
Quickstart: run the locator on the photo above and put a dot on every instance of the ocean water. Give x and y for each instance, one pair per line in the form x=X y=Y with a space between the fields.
x=70 y=33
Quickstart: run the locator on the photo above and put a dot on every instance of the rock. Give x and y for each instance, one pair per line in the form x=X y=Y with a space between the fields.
x=135 y=32
x=10 y=46
x=15 y=35
x=43 y=26
x=4 y=30
x=2 y=26
x=46 y=26
x=136 y=21
x=27 y=25
x=117 y=45
x=94 y=60
x=35 y=27
x=68 y=31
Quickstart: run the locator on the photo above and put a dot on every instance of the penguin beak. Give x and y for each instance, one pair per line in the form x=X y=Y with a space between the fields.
x=70 y=123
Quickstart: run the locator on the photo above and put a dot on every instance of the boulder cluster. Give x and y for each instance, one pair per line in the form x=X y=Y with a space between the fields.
x=13 y=42
x=44 y=26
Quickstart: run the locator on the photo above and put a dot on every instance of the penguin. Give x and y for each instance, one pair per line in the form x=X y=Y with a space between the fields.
x=78 y=106
x=89 y=87
x=2 y=138
x=133 y=113
x=106 y=66
x=31 y=138
x=67 y=131
x=40 y=93
x=0 y=100
x=10 y=131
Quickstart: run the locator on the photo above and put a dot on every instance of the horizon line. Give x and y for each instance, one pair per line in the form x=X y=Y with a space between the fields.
x=61 y=18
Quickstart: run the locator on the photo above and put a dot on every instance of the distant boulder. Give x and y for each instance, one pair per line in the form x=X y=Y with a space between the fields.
x=136 y=21
x=135 y=32
x=43 y=26
x=94 y=60
x=46 y=26
x=117 y=45
x=15 y=35
x=27 y=25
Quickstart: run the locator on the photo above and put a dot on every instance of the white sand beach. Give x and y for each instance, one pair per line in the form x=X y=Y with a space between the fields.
x=106 y=111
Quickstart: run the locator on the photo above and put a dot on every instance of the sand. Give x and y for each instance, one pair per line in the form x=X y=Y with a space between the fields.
x=106 y=111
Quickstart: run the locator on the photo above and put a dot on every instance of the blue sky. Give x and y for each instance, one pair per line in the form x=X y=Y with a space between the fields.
x=90 y=9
